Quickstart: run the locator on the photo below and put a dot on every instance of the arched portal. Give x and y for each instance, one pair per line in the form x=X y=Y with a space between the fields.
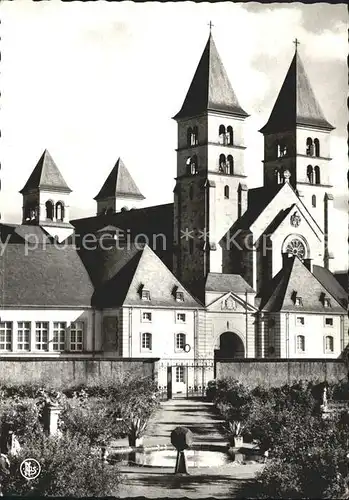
x=230 y=347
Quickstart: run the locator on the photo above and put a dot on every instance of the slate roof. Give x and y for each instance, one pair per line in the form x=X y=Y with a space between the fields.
x=140 y=267
x=19 y=233
x=277 y=295
x=151 y=221
x=217 y=282
x=258 y=200
x=210 y=89
x=296 y=103
x=48 y=276
x=46 y=176
x=331 y=284
x=119 y=183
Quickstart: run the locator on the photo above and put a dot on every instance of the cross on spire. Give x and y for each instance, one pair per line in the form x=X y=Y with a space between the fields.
x=296 y=42
x=211 y=25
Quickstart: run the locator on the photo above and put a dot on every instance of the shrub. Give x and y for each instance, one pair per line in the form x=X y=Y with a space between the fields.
x=93 y=418
x=135 y=403
x=23 y=418
x=68 y=468
x=310 y=461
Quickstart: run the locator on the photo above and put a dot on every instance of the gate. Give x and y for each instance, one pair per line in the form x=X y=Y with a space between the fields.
x=184 y=378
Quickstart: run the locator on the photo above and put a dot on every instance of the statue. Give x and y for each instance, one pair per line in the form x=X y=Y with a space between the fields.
x=324 y=398
x=181 y=438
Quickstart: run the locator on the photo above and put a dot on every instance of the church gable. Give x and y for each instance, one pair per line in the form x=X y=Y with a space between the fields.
x=295 y=226
x=230 y=302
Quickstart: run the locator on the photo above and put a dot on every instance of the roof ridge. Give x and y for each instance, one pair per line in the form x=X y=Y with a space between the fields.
x=296 y=102
x=210 y=88
x=120 y=183
x=46 y=174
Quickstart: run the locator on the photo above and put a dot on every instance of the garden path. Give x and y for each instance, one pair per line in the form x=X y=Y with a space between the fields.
x=197 y=415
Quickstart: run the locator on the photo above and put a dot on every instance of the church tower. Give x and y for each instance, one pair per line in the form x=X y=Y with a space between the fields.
x=297 y=139
x=45 y=199
x=118 y=190
x=210 y=192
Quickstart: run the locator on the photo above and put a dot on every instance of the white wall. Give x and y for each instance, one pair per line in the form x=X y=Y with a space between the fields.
x=50 y=316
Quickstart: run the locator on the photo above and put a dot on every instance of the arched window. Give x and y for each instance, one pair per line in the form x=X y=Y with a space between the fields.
x=187 y=165
x=329 y=344
x=317 y=174
x=317 y=147
x=222 y=134
x=195 y=137
x=300 y=343
x=49 y=209
x=222 y=163
x=309 y=147
x=189 y=134
x=277 y=174
x=194 y=165
x=191 y=192
x=147 y=341
x=230 y=136
x=180 y=341
x=230 y=165
x=310 y=174
x=281 y=150
x=60 y=210
x=226 y=192
x=313 y=201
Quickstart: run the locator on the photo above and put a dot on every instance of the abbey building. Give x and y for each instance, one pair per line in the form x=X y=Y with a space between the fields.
x=223 y=272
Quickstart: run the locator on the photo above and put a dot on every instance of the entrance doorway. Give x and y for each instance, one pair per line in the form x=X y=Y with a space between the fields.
x=230 y=347
x=184 y=378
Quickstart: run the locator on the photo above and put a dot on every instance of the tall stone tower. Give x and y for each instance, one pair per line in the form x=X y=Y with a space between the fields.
x=297 y=139
x=46 y=199
x=210 y=192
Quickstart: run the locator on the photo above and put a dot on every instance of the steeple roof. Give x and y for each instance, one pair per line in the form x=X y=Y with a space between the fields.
x=210 y=89
x=119 y=183
x=46 y=176
x=296 y=103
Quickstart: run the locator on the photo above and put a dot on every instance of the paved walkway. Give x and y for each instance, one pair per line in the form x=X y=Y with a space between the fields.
x=199 y=416
x=230 y=481
x=226 y=481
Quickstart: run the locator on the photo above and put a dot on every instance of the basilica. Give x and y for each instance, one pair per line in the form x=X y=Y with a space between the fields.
x=223 y=272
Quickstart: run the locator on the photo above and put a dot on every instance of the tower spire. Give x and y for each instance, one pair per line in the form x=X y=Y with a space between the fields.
x=296 y=42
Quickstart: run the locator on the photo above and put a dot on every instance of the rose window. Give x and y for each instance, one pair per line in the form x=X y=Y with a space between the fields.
x=296 y=247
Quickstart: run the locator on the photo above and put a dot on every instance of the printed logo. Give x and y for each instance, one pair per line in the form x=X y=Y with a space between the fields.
x=30 y=468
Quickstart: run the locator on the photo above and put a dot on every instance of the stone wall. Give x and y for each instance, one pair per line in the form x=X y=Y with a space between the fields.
x=66 y=372
x=274 y=373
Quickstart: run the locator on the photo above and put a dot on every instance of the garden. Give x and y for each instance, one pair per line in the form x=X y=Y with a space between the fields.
x=90 y=418
x=308 y=455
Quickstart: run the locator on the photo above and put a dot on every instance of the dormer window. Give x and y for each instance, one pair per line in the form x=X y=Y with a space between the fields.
x=298 y=301
x=145 y=294
x=326 y=301
x=179 y=296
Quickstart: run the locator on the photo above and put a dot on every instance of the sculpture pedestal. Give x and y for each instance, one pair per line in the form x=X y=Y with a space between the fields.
x=181 y=463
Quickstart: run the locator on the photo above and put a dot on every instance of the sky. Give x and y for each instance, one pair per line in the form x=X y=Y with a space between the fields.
x=94 y=81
